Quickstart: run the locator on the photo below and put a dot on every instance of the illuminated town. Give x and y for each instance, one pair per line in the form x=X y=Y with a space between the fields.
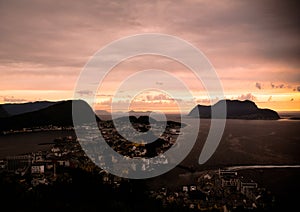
x=211 y=190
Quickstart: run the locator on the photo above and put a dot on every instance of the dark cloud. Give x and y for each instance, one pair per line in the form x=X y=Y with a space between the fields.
x=278 y=86
x=281 y=86
x=298 y=88
x=63 y=32
x=258 y=85
x=254 y=29
x=272 y=85
x=55 y=33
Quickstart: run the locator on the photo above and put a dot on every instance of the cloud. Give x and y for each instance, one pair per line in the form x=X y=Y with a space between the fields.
x=258 y=85
x=12 y=99
x=298 y=88
x=247 y=96
x=292 y=99
x=159 y=97
x=85 y=93
x=58 y=37
x=104 y=95
x=106 y=102
x=207 y=101
x=280 y=86
x=272 y=85
x=52 y=32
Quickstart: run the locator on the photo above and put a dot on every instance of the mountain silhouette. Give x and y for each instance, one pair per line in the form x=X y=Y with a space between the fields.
x=3 y=112
x=12 y=109
x=235 y=110
x=59 y=114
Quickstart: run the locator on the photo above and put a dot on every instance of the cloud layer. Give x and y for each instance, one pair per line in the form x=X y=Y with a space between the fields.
x=45 y=44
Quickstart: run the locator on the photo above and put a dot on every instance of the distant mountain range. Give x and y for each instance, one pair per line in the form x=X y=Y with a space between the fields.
x=28 y=115
x=120 y=113
x=236 y=110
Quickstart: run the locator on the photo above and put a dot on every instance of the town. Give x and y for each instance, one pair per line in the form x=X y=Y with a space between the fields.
x=211 y=190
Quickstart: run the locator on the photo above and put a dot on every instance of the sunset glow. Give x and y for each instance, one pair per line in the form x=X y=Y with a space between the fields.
x=253 y=46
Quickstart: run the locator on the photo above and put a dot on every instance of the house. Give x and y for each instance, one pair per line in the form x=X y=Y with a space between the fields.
x=37 y=169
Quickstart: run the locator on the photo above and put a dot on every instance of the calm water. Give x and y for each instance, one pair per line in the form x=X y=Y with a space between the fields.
x=28 y=142
x=243 y=142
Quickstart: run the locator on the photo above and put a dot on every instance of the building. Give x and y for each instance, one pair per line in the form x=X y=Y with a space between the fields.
x=19 y=164
x=37 y=169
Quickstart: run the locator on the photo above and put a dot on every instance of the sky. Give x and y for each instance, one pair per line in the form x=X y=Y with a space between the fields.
x=254 y=47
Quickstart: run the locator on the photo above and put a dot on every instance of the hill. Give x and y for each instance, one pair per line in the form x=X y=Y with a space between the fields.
x=3 y=112
x=59 y=114
x=236 y=110
x=12 y=109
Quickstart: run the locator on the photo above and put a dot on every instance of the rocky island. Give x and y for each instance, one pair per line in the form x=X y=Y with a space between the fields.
x=236 y=109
